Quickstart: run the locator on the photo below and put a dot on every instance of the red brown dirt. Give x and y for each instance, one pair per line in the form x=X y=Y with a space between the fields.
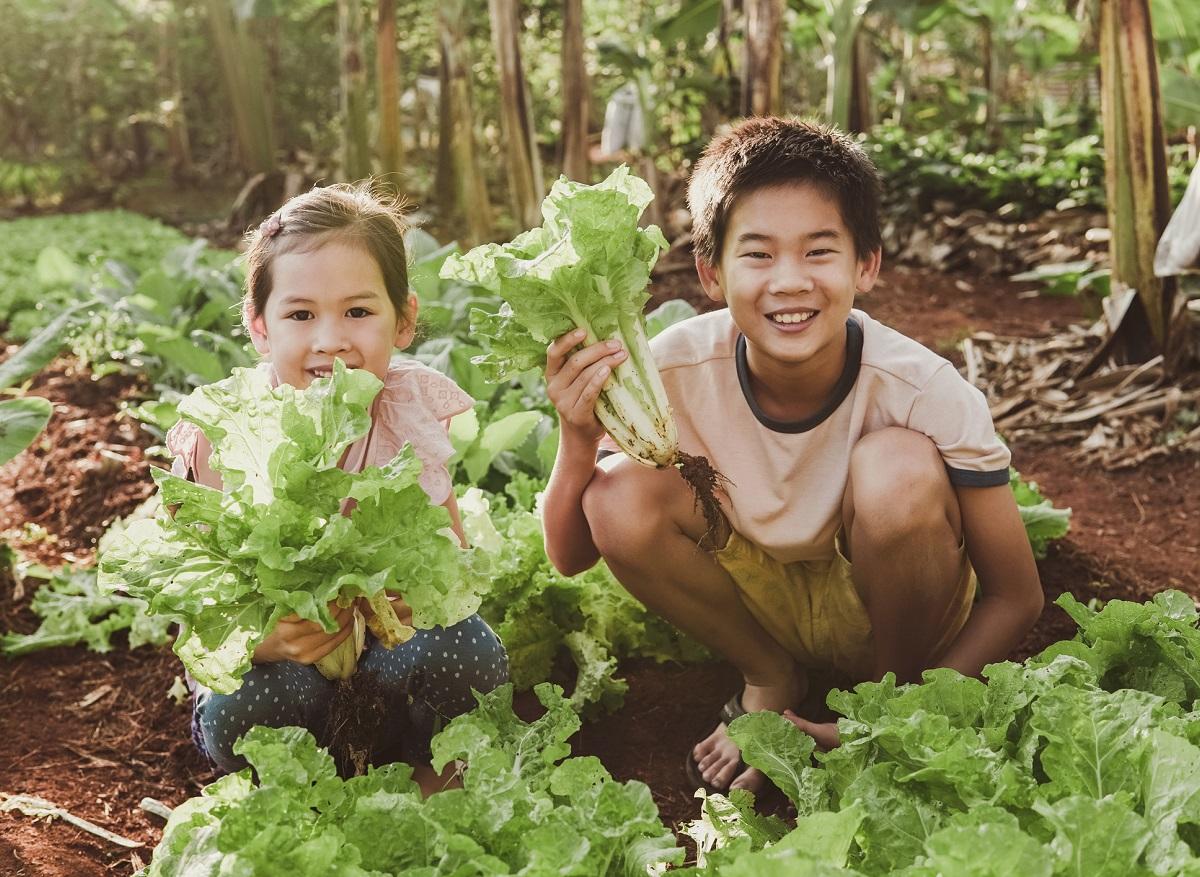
x=1132 y=535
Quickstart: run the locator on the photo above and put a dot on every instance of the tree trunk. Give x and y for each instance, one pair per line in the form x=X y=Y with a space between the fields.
x=840 y=82
x=862 y=107
x=356 y=140
x=179 y=147
x=443 y=182
x=524 y=164
x=764 y=51
x=1135 y=177
x=470 y=187
x=387 y=74
x=575 y=94
x=241 y=65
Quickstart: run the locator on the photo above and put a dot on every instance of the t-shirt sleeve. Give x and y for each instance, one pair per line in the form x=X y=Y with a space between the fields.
x=955 y=416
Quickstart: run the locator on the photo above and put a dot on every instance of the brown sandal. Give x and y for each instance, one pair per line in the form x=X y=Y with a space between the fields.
x=731 y=710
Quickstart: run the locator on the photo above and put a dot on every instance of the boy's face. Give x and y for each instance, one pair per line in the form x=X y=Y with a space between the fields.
x=326 y=303
x=789 y=272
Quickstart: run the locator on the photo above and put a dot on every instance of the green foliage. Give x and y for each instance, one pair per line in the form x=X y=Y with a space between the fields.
x=1082 y=760
x=541 y=614
x=525 y=808
x=229 y=564
x=1043 y=522
x=75 y=612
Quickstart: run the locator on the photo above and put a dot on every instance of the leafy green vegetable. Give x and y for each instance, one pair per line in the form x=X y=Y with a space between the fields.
x=75 y=612
x=523 y=809
x=231 y=563
x=586 y=267
x=1082 y=760
x=1043 y=522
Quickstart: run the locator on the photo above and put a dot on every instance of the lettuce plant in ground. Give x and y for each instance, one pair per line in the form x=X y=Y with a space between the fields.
x=231 y=563
x=525 y=808
x=75 y=612
x=1043 y=522
x=1084 y=760
x=539 y=613
x=586 y=267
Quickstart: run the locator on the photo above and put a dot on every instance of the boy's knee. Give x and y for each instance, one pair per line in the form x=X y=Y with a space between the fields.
x=899 y=486
x=623 y=509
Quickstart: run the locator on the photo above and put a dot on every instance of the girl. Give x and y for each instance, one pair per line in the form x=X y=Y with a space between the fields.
x=327 y=279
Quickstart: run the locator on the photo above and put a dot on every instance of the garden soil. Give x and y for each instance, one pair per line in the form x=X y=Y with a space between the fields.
x=95 y=734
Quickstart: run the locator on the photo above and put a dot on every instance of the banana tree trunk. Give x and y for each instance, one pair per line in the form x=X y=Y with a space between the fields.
x=840 y=84
x=174 y=118
x=387 y=74
x=242 y=70
x=761 y=94
x=575 y=94
x=524 y=165
x=356 y=141
x=470 y=189
x=1135 y=176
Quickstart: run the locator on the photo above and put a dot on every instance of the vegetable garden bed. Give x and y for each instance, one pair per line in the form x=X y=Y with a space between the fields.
x=96 y=733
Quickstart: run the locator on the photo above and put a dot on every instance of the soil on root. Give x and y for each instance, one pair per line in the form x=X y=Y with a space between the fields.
x=97 y=733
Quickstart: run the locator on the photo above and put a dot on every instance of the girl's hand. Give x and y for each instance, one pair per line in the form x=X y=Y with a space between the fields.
x=305 y=642
x=574 y=381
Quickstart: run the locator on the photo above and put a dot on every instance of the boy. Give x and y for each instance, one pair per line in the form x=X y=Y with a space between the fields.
x=866 y=489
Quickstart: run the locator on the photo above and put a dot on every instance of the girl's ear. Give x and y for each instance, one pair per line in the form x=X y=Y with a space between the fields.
x=406 y=324
x=258 y=333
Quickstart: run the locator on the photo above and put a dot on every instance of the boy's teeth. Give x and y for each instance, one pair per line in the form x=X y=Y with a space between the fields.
x=793 y=318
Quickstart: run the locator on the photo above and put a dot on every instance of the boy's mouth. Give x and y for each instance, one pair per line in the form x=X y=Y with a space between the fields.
x=792 y=317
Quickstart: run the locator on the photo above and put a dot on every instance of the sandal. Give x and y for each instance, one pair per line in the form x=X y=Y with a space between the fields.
x=731 y=710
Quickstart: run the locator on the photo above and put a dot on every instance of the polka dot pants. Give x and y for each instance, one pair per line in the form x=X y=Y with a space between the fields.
x=441 y=666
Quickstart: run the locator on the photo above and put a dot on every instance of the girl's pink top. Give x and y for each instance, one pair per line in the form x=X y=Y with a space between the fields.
x=415 y=405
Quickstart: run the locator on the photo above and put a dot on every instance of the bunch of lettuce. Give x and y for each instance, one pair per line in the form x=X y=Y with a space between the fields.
x=523 y=809
x=1084 y=760
x=586 y=267
x=230 y=563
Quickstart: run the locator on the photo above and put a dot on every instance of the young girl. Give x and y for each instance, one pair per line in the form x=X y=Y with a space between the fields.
x=327 y=278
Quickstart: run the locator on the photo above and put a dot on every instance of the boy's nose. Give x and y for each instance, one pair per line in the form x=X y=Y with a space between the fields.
x=791 y=278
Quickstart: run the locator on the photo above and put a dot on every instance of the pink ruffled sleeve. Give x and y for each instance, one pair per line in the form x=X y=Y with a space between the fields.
x=416 y=405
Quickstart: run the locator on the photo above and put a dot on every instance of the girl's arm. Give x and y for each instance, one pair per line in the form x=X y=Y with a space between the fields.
x=451 y=505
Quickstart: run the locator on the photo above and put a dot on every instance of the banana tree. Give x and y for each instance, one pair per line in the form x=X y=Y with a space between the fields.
x=243 y=69
x=1135 y=180
x=524 y=164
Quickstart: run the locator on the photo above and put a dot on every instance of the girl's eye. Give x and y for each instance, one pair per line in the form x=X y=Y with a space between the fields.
x=359 y=313
x=300 y=315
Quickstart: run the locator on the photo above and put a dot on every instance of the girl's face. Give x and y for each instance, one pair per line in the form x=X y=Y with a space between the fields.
x=329 y=303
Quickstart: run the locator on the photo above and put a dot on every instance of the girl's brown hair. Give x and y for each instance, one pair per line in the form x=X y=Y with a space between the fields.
x=355 y=214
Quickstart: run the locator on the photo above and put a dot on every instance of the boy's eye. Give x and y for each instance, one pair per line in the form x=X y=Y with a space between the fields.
x=358 y=313
x=824 y=252
x=756 y=254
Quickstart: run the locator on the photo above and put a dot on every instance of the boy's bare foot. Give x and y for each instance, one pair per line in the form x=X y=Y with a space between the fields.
x=718 y=757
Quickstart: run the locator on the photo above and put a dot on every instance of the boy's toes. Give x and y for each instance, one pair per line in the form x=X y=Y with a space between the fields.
x=751 y=779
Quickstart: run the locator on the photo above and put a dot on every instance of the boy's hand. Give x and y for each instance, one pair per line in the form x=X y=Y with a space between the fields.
x=305 y=642
x=574 y=381
x=824 y=733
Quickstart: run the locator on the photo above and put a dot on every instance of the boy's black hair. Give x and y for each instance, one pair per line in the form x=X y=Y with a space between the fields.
x=767 y=151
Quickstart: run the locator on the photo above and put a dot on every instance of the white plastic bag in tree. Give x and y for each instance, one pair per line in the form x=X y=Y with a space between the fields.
x=1179 y=247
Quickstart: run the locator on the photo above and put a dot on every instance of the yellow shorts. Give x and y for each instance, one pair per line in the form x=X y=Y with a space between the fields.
x=813 y=610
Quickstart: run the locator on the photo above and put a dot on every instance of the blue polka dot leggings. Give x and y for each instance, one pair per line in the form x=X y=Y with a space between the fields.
x=437 y=668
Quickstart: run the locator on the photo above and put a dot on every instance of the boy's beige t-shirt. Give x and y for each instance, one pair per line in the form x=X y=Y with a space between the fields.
x=787 y=479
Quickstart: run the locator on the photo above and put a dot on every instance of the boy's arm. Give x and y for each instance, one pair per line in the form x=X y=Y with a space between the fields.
x=574 y=378
x=1010 y=591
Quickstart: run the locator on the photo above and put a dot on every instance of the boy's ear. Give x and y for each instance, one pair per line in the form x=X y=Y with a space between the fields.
x=406 y=324
x=868 y=270
x=710 y=279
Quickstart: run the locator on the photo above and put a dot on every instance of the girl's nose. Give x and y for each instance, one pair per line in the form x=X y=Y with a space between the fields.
x=330 y=339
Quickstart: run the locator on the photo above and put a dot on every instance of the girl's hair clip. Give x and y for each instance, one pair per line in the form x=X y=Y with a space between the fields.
x=272 y=225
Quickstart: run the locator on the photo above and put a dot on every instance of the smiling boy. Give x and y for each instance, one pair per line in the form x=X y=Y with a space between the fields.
x=868 y=494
